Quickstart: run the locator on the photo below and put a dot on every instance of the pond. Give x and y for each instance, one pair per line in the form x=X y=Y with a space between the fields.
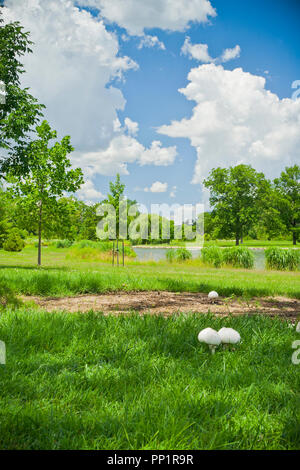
x=158 y=253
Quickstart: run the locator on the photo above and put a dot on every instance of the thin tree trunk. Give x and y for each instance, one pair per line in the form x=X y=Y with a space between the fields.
x=237 y=240
x=294 y=233
x=40 y=235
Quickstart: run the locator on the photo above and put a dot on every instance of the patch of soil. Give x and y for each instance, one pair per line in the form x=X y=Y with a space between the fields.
x=168 y=303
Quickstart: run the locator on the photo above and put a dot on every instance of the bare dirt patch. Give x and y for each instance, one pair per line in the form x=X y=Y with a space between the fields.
x=168 y=303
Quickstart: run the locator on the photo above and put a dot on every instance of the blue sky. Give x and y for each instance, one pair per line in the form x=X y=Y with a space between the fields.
x=267 y=33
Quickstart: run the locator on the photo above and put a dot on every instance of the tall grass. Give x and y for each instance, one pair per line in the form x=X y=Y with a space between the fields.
x=178 y=277
x=181 y=254
x=64 y=243
x=97 y=251
x=236 y=256
x=212 y=255
x=282 y=260
x=76 y=381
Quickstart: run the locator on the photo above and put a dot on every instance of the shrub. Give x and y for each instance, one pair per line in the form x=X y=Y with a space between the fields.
x=182 y=254
x=212 y=255
x=14 y=242
x=238 y=257
x=282 y=260
x=86 y=244
x=64 y=244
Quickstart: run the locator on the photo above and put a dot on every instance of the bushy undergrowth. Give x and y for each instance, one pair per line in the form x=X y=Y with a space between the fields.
x=74 y=381
x=282 y=259
x=236 y=256
x=14 y=241
x=64 y=243
x=98 y=251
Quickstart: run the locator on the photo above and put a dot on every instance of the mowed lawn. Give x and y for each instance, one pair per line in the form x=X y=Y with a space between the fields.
x=61 y=276
x=76 y=381
x=89 y=381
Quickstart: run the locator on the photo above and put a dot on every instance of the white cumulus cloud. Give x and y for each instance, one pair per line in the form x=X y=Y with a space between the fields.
x=151 y=41
x=157 y=187
x=89 y=193
x=73 y=62
x=131 y=126
x=122 y=150
x=200 y=52
x=236 y=120
x=230 y=54
x=137 y=15
x=196 y=51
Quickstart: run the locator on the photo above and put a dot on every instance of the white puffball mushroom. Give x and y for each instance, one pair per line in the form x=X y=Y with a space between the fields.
x=229 y=336
x=210 y=337
x=213 y=296
x=298 y=327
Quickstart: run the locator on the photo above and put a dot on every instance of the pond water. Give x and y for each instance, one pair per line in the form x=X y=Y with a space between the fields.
x=157 y=254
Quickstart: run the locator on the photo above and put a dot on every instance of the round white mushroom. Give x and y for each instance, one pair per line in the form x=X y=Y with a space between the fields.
x=210 y=337
x=229 y=336
x=213 y=295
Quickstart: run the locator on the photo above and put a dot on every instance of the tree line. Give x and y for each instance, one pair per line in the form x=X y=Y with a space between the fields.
x=245 y=203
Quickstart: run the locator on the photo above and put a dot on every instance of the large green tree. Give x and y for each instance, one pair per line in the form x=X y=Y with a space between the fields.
x=48 y=176
x=236 y=196
x=20 y=111
x=288 y=202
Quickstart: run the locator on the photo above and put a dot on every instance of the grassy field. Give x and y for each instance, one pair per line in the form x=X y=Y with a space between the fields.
x=92 y=382
x=89 y=381
x=63 y=276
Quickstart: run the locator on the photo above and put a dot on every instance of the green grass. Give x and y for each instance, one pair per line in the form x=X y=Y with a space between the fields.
x=254 y=243
x=61 y=276
x=76 y=381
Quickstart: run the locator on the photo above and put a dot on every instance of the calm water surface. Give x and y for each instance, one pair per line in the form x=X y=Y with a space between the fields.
x=157 y=254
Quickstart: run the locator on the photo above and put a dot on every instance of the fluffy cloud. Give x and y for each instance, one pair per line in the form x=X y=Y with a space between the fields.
x=89 y=193
x=157 y=187
x=236 y=120
x=124 y=149
x=137 y=15
x=131 y=126
x=74 y=60
x=200 y=52
x=158 y=155
x=196 y=51
x=151 y=41
x=230 y=54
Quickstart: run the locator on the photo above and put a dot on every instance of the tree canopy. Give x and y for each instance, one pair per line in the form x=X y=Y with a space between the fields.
x=236 y=194
x=49 y=174
x=20 y=111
